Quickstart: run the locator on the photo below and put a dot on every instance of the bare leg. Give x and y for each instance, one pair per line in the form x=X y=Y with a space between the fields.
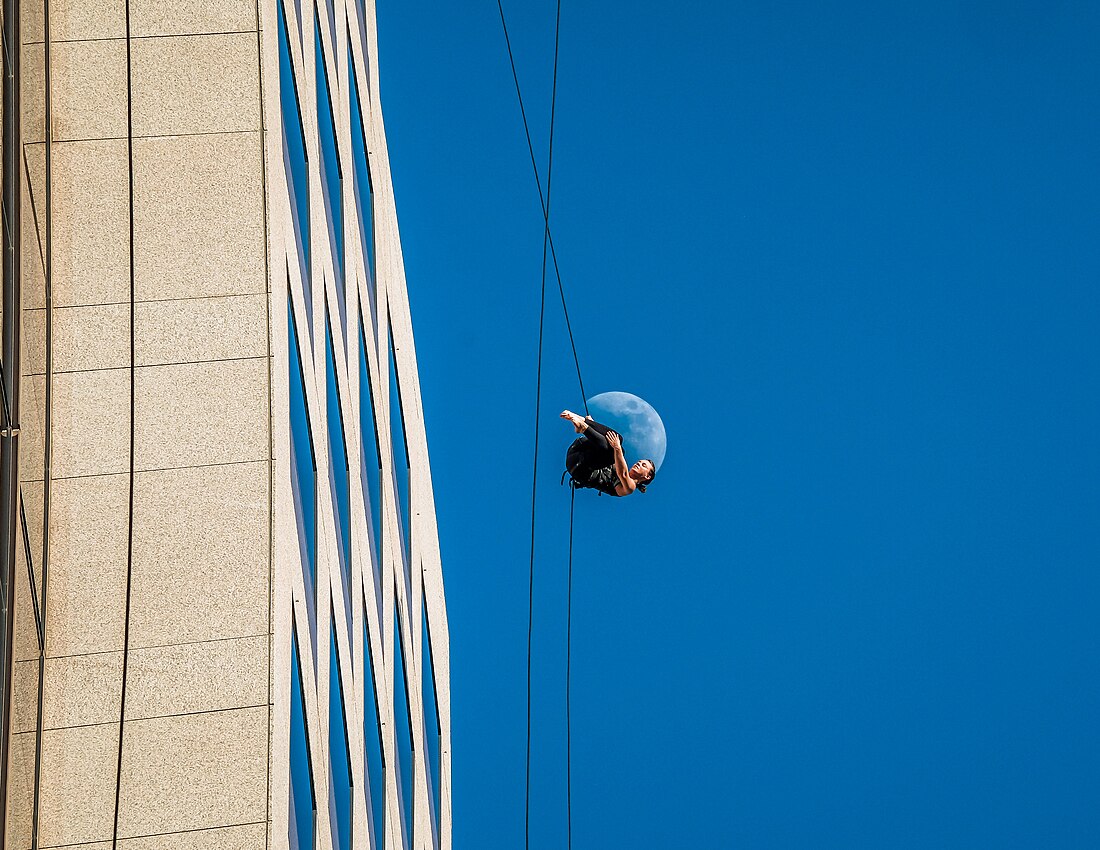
x=596 y=432
x=587 y=426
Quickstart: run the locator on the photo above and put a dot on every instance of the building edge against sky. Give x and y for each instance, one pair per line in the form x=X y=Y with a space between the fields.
x=229 y=617
x=390 y=592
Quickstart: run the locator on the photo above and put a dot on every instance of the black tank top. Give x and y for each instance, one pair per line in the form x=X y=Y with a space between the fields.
x=604 y=479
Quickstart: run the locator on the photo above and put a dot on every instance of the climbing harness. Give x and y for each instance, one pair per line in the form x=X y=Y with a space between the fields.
x=575 y=485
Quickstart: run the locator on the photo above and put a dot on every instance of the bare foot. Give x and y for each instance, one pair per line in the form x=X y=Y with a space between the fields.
x=578 y=423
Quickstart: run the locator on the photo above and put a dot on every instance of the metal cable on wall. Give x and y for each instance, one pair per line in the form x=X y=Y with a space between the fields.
x=47 y=425
x=9 y=434
x=21 y=500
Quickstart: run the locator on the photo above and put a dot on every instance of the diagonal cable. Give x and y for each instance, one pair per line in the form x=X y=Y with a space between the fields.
x=544 y=200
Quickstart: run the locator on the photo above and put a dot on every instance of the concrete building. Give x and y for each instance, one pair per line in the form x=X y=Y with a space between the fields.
x=222 y=575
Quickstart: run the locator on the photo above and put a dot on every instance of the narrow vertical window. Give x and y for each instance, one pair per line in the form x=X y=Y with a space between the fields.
x=403 y=722
x=304 y=465
x=294 y=155
x=338 y=463
x=371 y=460
x=302 y=802
x=431 y=719
x=301 y=28
x=330 y=9
x=400 y=458
x=339 y=757
x=331 y=177
x=372 y=743
x=363 y=40
x=364 y=191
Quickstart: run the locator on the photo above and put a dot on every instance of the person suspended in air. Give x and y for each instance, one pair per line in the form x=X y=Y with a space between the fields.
x=596 y=460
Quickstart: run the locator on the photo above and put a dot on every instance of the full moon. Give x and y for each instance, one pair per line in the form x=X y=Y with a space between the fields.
x=634 y=418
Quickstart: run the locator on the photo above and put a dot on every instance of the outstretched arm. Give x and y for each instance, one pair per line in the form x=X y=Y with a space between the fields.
x=622 y=471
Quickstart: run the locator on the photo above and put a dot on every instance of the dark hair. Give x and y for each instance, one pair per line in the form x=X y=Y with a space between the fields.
x=653 y=474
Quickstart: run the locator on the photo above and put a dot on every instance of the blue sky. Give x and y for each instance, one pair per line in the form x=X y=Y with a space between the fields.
x=849 y=253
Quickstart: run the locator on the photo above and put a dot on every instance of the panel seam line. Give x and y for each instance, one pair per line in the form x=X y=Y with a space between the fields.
x=148 y=36
x=151 y=717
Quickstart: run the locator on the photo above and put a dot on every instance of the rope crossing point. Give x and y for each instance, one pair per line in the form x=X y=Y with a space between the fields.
x=547 y=243
x=544 y=201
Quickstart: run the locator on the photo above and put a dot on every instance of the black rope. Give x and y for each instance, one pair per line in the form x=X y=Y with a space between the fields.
x=30 y=572
x=547 y=243
x=544 y=200
x=572 y=489
x=531 y=578
x=133 y=438
x=568 y=679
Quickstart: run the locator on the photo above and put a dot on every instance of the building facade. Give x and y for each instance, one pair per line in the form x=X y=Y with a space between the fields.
x=222 y=582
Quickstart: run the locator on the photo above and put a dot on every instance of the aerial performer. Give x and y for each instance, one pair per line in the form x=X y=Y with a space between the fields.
x=596 y=460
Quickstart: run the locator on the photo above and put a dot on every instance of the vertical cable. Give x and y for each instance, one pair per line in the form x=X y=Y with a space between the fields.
x=568 y=681
x=531 y=577
x=545 y=203
x=12 y=298
x=47 y=435
x=130 y=512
